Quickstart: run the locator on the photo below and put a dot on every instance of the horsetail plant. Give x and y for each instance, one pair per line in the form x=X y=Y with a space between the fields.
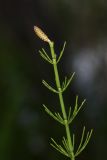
x=68 y=143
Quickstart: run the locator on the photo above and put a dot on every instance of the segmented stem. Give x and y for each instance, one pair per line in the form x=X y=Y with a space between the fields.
x=57 y=80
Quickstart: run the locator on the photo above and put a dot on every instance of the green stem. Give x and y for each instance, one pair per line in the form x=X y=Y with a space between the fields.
x=61 y=99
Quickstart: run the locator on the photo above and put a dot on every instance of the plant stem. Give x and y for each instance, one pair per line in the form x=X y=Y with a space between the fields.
x=57 y=80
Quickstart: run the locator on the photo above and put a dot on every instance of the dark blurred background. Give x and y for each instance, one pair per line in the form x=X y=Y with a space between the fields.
x=25 y=129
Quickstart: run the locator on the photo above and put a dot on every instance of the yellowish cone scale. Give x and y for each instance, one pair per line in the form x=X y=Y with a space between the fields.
x=41 y=34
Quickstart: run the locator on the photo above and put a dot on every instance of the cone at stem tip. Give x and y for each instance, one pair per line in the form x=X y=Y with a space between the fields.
x=41 y=34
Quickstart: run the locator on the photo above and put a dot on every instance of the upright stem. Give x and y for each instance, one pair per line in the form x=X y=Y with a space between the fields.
x=57 y=80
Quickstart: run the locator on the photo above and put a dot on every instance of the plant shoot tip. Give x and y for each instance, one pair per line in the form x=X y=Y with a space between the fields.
x=41 y=34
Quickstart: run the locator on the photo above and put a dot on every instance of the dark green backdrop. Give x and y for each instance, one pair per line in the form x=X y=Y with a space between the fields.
x=25 y=129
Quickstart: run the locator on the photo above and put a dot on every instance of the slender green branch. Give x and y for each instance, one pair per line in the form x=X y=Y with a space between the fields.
x=49 y=87
x=61 y=52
